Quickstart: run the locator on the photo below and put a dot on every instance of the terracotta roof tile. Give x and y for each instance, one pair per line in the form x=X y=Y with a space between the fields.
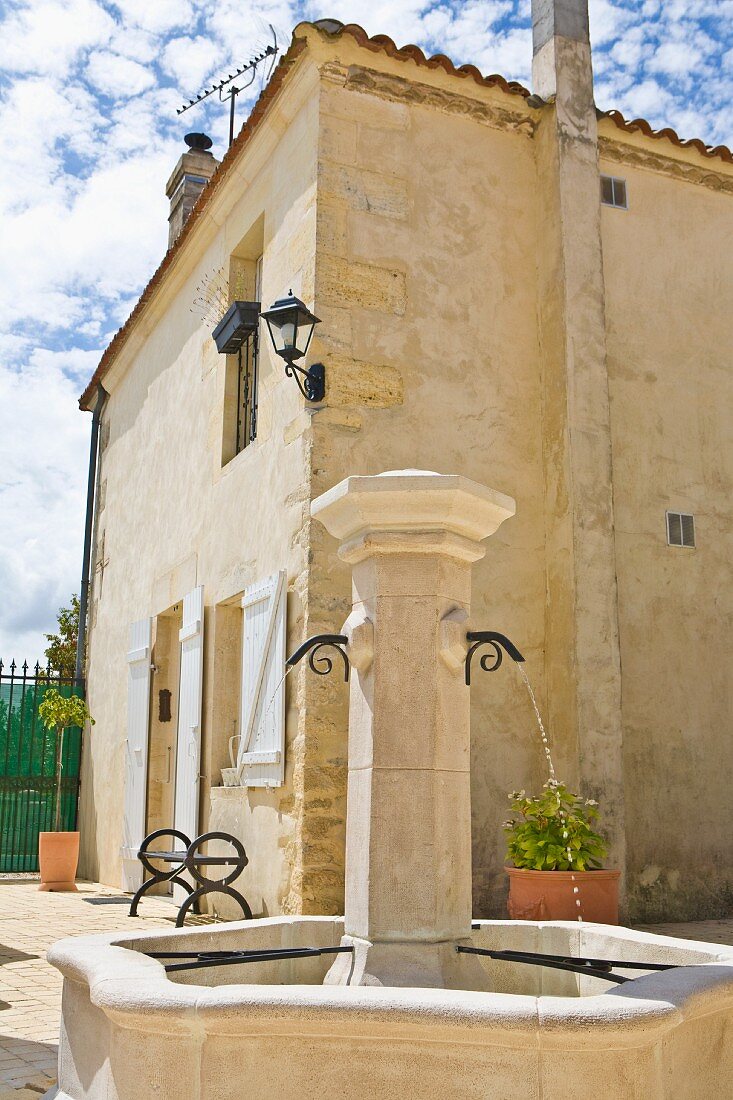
x=640 y=125
x=380 y=43
x=385 y=44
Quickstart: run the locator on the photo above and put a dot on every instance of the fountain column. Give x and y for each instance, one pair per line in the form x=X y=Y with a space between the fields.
x=411 y=538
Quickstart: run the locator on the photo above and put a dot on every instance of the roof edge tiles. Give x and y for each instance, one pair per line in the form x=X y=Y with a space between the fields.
x=380 y=43
x=641 y=126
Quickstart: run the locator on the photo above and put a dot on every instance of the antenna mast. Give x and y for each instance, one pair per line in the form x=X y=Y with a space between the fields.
x=234 y=89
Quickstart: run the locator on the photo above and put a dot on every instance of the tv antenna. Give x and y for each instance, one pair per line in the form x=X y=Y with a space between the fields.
x=248 y=70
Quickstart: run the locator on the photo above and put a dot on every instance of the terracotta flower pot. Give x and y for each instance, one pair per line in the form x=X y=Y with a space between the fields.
x=563 y=895
x=58 y=856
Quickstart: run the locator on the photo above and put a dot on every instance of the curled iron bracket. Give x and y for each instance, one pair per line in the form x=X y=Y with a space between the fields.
x=311 y=647
x=313 y=386
x=498 y=642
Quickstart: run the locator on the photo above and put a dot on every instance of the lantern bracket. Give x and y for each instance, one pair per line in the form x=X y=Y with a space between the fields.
x=313 y=386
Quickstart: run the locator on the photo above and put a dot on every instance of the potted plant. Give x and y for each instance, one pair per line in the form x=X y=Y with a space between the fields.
x=557 y=859
x=58 y=852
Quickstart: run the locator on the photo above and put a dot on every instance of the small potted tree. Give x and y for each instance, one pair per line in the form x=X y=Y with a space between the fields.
x=557 y=859
x=58 y=852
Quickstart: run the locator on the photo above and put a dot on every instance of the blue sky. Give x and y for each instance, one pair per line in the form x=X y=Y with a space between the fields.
x=88 y=98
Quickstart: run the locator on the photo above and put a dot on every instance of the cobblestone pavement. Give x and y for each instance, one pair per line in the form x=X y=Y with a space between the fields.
x=30 y=989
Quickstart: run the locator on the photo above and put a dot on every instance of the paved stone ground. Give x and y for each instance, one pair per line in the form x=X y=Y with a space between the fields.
x=30 y=989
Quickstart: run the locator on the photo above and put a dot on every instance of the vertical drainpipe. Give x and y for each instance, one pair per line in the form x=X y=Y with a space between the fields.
x=88 y=523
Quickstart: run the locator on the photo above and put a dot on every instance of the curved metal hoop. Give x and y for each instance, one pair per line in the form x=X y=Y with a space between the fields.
x=238 y=860
x=311 y=647
x=498 y=643
x=145 y=854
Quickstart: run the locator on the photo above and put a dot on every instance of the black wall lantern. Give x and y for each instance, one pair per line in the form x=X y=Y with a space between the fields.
x=290 y=324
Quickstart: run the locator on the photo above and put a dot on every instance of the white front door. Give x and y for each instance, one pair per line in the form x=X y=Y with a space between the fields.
x=188 y=748
x=136 y=752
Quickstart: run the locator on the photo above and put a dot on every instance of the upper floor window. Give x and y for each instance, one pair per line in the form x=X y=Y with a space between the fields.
x=680 y=529
x=613 y=192
x=241 y=378
x=246 y=427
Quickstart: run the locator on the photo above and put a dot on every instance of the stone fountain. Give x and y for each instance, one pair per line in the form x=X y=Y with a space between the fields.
x=391 y=1001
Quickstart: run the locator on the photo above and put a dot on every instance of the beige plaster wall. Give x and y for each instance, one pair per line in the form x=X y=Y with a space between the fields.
x=668 y=264
x=425 y=281
x=174 y=518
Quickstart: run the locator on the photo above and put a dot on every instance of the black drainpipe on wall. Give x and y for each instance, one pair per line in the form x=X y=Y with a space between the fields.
x=88 y=524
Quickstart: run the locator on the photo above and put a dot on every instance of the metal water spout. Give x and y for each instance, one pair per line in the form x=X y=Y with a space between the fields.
x=323 y=665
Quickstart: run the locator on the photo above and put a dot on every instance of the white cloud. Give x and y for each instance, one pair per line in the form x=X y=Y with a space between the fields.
x=118 y=77
x=190 y=60
x=47 y=36
x=156 y=16
x=43 y=442
x=47 y=123
x=64 y=251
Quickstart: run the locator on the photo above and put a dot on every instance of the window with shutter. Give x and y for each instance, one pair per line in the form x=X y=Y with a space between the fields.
x=136 y=752
x=261 y=761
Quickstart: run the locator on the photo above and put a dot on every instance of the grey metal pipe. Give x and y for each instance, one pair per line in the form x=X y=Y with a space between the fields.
x=88 y=524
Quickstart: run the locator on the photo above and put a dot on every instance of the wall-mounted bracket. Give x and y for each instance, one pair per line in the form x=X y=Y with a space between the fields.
x=311 y=646
x=313 y=386
x=498 y=642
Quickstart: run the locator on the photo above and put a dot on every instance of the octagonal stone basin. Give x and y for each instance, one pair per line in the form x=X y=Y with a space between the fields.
x=272 y=1031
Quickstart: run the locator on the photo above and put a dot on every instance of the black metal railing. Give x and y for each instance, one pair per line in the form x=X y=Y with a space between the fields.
x=28 y=763
x=247 y=385
x=200 y=960
x=576 y=964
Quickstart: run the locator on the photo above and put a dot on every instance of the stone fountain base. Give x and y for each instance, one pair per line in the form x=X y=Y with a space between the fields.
x=132 y=1032
x=410 y=964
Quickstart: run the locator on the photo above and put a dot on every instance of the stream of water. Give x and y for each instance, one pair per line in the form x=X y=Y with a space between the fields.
x=270 y=702
x=553 y=777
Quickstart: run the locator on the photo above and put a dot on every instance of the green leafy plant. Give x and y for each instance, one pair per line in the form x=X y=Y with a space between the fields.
x=61 y=713
x=61 y=650
x=554 y=832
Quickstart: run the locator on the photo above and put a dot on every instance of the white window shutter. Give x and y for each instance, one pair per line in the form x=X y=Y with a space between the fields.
x=261 y=760
x=136 y=752
x=188 y=745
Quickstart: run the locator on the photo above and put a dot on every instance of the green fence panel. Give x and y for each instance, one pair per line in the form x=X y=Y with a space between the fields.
x=28 y=765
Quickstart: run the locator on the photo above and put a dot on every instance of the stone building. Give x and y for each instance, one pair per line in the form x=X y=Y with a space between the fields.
x=511 y=286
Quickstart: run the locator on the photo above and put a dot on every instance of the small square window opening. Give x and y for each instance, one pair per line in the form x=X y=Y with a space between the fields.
x=680 y=529
x=613 y=192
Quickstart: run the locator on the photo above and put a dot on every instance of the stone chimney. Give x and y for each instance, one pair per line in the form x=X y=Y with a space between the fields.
x=561 y=59
x=582 y=663
x=188 y=179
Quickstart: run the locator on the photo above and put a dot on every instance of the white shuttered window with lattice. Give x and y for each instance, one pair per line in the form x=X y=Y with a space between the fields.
x=261 y=761
x=136 y=752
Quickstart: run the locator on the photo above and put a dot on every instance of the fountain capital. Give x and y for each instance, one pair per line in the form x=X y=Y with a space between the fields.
x=411 y=511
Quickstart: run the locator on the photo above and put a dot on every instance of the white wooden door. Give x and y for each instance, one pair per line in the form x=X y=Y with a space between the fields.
x=136 y=752
x=188 y=748
x=261 y=760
